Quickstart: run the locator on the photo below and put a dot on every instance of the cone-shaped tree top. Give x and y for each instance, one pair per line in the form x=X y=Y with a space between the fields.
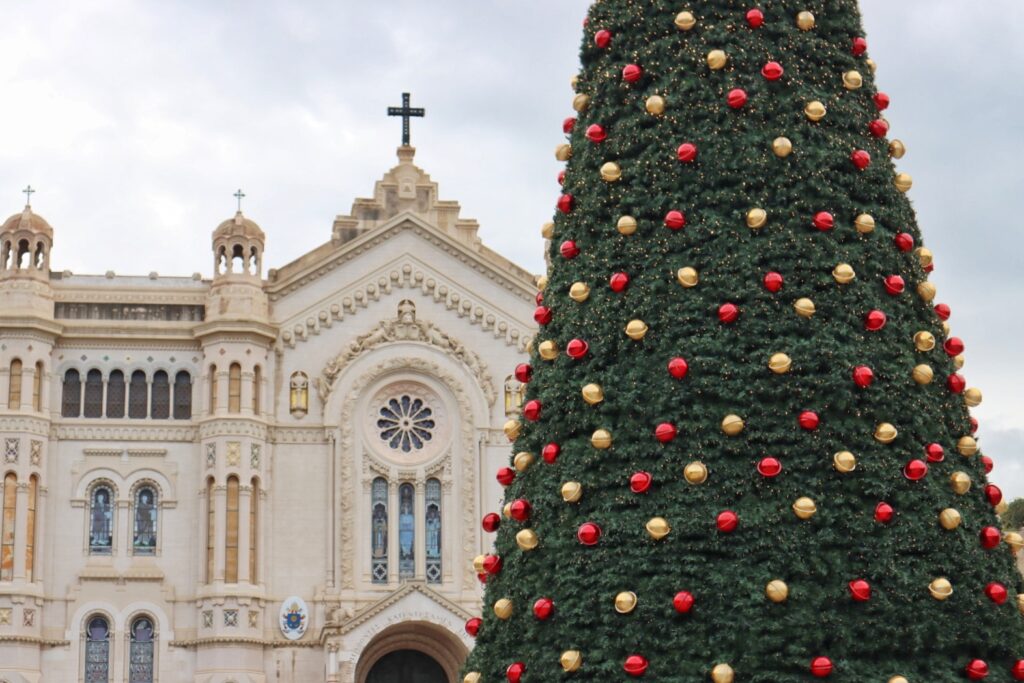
x=746 y=452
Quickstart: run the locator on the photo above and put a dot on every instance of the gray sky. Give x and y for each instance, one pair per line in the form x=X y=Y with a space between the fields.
x=136 y=121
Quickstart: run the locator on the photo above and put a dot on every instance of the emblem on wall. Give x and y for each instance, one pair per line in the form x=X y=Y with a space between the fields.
x=294 y=618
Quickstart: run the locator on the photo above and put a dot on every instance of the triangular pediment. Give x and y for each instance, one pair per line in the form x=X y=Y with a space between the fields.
x=407 y=598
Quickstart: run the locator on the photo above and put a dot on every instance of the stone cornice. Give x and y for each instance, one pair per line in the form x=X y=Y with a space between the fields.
x=69 y=431
x=225 y=330
x=34 y=640
x=214 y=641
x=298 y=435
x=11 y=422
x=43 y=329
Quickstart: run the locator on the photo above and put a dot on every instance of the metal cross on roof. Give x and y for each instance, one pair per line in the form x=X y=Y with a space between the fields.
x=239 y=196
x=406 y=112
x=28 y=195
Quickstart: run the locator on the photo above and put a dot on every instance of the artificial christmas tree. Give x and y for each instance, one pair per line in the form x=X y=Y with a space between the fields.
x=756 y=456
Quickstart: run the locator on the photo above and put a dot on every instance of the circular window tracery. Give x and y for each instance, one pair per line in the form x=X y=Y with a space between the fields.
x=406 y=423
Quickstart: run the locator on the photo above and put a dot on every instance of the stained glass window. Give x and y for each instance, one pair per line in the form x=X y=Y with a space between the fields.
x=379 y=531
x=101 y=521
x=97 y=651
x=137 y=398
x=71 y=398
x=161 y=397
x=183 y=396
x=145 y=522
x=235 y=388
x=406 y=531
x=115 y=395
x=14 y=388
x=231 y=544
x=406 y=423
x=93 y=394
x=7 y=528
x=433 y=527
x=140 y=658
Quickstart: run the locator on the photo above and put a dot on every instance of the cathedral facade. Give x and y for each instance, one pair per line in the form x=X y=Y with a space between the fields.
x=262 y=476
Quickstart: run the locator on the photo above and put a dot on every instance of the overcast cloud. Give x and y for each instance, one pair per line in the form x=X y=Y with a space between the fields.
x=136 y=121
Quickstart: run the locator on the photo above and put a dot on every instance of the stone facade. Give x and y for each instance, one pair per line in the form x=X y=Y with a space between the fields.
x=188 y=461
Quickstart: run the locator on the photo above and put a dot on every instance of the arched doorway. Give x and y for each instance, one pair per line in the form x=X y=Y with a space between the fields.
x=406 y=666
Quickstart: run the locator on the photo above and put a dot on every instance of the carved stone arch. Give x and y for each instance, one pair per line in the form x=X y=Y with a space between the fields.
x=422 y=636
x=92 y=478
x=148 y=477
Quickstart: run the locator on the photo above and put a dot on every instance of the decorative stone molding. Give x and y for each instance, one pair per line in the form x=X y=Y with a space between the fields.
x=335 y=626
x=71 y=432
x=147 y=452
x=35 y=453
x=11 y=449
x=298 y=435
x=24 y=424
x=103 y=452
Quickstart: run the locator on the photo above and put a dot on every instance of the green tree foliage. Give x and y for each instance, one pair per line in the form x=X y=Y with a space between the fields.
x=1013 y=518
x=900 y=629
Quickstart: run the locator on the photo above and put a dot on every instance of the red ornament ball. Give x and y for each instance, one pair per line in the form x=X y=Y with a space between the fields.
x=736 y=98
x=943 y=311
x=956 y=383
x=569 y=250
x=974 y=424
x=543 y=315
x=640 y=482
x=632 y=73
x=543 y=608
x=727 y=521
x=482 y=578
x=524 y=372
x=881 y=101
x=687 y=152
x=993 y=494
x=665 y=432
x=860 y=590
x=894 y=285
x=506 y=475
x=884 y=513
x=987 y=463
x=603 y=38
x=769 y=467
x=904 y=241
x=588 y=533
x=473 y=626
x=683 y=602
x=618 y=282
x=531 y=411
x=566 y=203
x=568 y=125
x=976 y=669
x=514 y=672
x=550 y=453
x=635 y=665
x=577 y=348
x=772 y=71
x=996 y=592
x=821 y=667
x=809 y=420
x=824 y=221
x=878 y=128
x=863 y=376
x=874 y=321
x=491 y=522
x=859 y=47
x=539 y=298
x=861 y=159
x=935 y=452
x=1017 y=670
x=492 y=565
x=773 y=282
x=755 y=18
x=728 y=313
x=915 y=470
x=561 y=177
x=990 y=537
x=596 y=133
x=675 y=220
x=678 y=367
x=520 y=509
x=954 y=346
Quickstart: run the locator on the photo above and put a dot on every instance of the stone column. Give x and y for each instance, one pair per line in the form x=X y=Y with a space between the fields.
x=419 y=508
x=245 y=494
x=123 y=528
x=393 y=513
x=247 y=391
x=220 y=502
x=38 y=556
x=5 y=385
x=222 y=391
x=103 y=405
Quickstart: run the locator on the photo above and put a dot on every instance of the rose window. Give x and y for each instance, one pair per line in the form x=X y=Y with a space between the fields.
x=406 y=423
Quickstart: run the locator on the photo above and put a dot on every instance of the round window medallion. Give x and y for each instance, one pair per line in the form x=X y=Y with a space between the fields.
x=406 y=423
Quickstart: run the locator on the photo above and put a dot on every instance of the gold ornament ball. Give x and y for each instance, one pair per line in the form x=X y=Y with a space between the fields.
x=695 y=472
x=885 y=433
x=507 y=510
x=572 y=491
x=503 y=608
x=777 y=590
x=804 y=508
x=1014 y=540
x=593 y=394
x=526 y=539
x=967 y=446
x=852 y=80
x=548 y=350
x=945 y=327
x=542 y=282
x=547 y=231
x=512 y=429
x=571 y=660
x=925 y=256
x=636 y=330
x=601 y=439
x=782 y=147
x=940 y=588
x=687 y=277
x=626 y=225
x=685 y=21
x=757 y=218
x=923 y=374
x=844 y=462
x=958 y=361
x=865 y=223
x=722 y=673
x=871 y=64
x=950 y=519
x=574 y=81
x=960 y=482
x=815 y=111
x=478 y=563
x=898 y=679
x=926 y=291
x=897 y=149
x=580 y=102
x=972 y=397
x=563 y=152
x=804 y=307
x=1020 y=602
x=844 y=273
x=780 y=363
x=717 y=59
x=904 y=182
x=625 y=602
x=805 y=21
x=732 y=425
x=579 y=292
x=655 y=105
x=472 y=677
x=522 y=461
x=658 y=528
x=611 y=172
x=924 y=341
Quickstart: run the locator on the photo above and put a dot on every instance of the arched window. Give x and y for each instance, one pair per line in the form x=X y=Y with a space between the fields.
x=231 y=543
x=97 y=651
x=213 y=389
x=71 y=396
x=101 y=521
x=137 y=397
x=406 y=531
x=115 y=395
x=433 y=530
x=254 y=519
x=144 y=530
x=257 y=381
x=235 y=388
x=93 y=394
x=161 y=392
x=37 y=388
x=7 y=528
x=140 y=656
x=183 y=396
x=30 y=527
x=379 y=531
x=14 y=389
x=211 y=530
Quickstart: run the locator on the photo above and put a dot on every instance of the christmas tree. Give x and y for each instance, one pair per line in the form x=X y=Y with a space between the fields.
x=746 y=452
